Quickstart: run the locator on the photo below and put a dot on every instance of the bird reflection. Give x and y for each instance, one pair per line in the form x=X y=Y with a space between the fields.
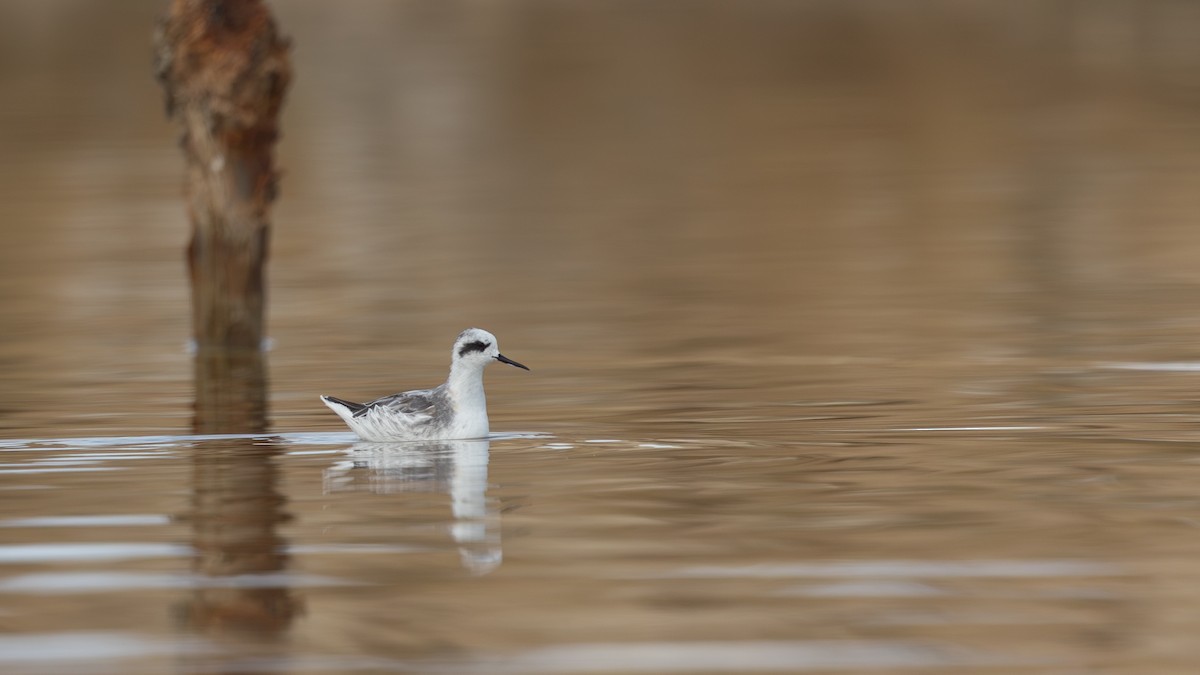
x=458 y=468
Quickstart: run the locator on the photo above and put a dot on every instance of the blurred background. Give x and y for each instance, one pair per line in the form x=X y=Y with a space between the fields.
x=826 y=279
x=614 y=185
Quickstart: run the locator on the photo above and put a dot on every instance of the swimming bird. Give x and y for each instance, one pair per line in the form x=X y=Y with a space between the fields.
x=456 y=409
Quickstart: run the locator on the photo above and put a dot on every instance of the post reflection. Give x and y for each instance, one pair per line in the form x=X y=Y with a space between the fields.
x=241 y=600
x=231 y=386
x=458 y=468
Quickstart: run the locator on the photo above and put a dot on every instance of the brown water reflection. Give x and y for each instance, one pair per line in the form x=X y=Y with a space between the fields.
x=237 y=510
x=865 y=338
x=230 y=391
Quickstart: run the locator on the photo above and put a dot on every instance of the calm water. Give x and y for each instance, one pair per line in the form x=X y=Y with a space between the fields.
x=864 y=340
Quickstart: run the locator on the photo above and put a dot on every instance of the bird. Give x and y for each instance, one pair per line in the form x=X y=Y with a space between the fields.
x=455 y=409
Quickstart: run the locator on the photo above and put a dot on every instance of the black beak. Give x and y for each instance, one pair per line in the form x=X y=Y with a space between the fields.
x=504 y=359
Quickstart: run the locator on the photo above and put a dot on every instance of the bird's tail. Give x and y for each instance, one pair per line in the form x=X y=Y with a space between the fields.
x=344 y=409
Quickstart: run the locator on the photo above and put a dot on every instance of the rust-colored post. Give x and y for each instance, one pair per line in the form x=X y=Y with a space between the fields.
x=224 y=69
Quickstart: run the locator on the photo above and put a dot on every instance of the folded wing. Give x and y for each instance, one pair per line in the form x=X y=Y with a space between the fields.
x=420 y=402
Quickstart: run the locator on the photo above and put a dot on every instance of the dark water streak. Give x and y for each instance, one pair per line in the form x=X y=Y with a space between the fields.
x=237 y=510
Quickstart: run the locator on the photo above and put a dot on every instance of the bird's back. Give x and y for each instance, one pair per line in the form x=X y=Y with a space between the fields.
x=416 y=402
x=418 y=414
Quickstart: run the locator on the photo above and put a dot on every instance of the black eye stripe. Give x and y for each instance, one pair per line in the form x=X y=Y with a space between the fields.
x=477 y=346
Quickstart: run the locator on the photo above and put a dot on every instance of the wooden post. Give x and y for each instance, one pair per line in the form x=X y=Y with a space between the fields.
x=224 y=69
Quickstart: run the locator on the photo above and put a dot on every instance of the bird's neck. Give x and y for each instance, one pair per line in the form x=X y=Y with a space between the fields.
x=465 y=383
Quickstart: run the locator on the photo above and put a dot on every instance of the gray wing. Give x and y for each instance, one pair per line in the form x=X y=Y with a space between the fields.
x=419 y=402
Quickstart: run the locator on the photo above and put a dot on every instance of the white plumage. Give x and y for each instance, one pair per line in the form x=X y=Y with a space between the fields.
x=456 y=409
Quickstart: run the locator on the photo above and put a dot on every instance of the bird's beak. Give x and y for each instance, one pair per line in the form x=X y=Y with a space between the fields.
x=504 y=359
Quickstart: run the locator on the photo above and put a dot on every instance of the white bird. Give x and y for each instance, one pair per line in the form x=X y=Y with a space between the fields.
x=456 y=409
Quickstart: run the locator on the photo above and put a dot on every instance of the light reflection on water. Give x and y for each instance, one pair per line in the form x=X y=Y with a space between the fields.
x=655 y=556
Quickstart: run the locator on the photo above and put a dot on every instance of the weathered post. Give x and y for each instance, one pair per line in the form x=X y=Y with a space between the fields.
x=224 y=69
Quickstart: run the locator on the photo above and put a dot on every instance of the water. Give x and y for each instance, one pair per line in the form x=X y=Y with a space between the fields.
x=863 y=340
x=857 y=546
